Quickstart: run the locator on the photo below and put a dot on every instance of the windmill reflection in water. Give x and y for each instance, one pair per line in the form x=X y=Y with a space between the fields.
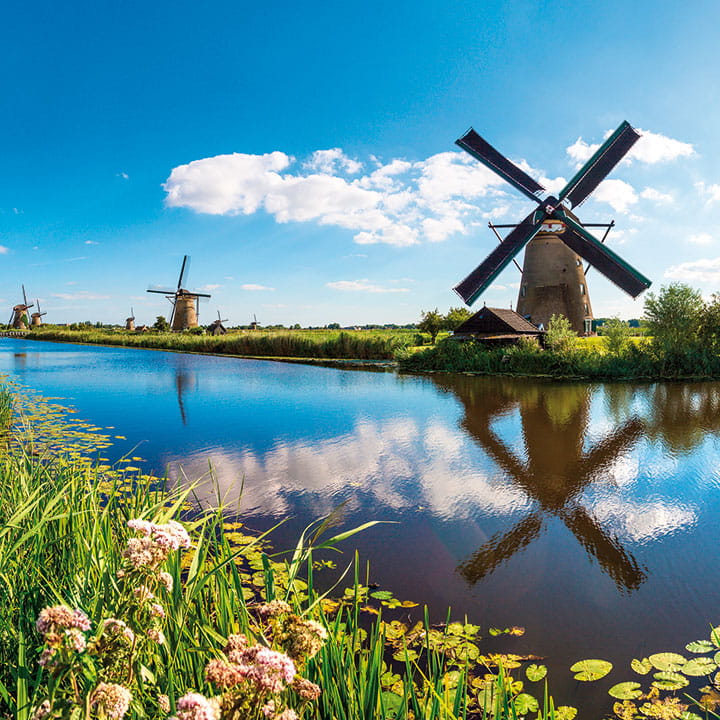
x=555 y=473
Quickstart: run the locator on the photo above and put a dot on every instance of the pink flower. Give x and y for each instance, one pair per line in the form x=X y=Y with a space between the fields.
x=111 y=699
x=61 y=617
x=194 y=706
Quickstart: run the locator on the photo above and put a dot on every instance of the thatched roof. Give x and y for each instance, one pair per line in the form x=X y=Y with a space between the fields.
x=497 y=321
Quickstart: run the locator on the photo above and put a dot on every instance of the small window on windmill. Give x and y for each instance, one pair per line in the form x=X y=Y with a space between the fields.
x=587 y=310
x=582 y=289
x=588 y=326
x=578 y=262
x=523 y=290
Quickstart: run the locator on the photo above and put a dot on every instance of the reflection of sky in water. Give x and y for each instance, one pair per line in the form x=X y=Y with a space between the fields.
x=562 y=507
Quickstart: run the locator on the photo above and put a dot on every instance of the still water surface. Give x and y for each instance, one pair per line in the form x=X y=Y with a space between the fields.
x=588 y=514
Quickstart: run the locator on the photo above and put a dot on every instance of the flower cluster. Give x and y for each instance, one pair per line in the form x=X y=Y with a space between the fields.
x=156 y=543
x=111 y=700
x=63 y=632
x=265 y=670
x=194 y=706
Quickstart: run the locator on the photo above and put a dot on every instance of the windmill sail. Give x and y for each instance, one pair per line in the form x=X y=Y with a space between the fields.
x=599 y=166
x=483 y=275
x=498 y=163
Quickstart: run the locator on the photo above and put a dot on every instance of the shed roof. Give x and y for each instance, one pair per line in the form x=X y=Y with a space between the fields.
x=497 y=320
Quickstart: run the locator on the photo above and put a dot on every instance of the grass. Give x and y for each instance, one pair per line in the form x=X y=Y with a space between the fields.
x=345 y=344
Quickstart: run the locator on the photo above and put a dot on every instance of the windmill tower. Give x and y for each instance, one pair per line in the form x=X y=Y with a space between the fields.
x=254 y=323
x=185 y=303
x=553 y=278
x=18 y=320
x=130 y=322
x=217 y=327
x=35 y=320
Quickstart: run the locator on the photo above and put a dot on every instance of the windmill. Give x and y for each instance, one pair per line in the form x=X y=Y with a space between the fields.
x=553 y=469
x=35 y=320
x=254 y=323
x=18 y=319
x=217 y=327
x=185 y=303
x=553 y=278
x=130 y=322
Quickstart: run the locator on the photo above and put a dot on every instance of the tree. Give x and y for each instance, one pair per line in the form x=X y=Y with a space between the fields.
x=616 y=335
x=161 y=324
x=560 y=337
x=431 y=322
x=674 y=317
x=456 y=317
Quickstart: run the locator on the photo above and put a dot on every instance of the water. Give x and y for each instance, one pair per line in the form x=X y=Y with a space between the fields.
x=586 y=513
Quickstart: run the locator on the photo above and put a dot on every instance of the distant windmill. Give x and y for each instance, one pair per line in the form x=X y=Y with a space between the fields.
x=254 y=323
x=18 y=319
x=217 y=327
x=130 y=322
x=185 y=303
x=35 y=320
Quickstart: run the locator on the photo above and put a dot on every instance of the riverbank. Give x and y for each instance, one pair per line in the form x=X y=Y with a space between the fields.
x=355 y=345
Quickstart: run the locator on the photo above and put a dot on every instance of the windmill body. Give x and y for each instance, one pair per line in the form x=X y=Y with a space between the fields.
x=556 y=242
x=36 y=317
x=185 y=303
x=19 y=318
x=130 y=322
x=553 y=283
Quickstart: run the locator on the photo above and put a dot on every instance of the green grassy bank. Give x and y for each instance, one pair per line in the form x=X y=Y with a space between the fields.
x=321 y=344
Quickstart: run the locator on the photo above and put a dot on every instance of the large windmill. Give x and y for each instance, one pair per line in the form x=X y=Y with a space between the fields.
x=35 y=318
x=18 y=319
x=185 y=303
x=553 y=278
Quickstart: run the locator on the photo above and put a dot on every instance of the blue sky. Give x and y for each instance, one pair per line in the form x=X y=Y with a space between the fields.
x=303 y=153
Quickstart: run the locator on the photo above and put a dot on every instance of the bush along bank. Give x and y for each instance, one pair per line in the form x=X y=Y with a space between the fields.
x=118 y=601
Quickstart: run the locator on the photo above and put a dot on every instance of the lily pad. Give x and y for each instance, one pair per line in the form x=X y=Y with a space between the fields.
x=626 y=690
x=565 y=712
x=670 y=681
x=382 y=595
x=535 y=672
x=641 y=667
x=667 y=662
x=525 y=704
x=591 y=670
x=700 y=646
x=699 y=666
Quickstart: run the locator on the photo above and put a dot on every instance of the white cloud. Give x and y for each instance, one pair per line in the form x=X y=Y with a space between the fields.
x=91 y=242
x=362 y=286
x=209 y=288
x=4 y=250
x=705 y=270
x=253 y=286
x=123 y=175
x=332 y=161
x=700 y=239
x=398 y=203
x=651 y=148
x=711 y=193
x=497 y=287
x=616 y=193
x=82 y=295
x=656 y=196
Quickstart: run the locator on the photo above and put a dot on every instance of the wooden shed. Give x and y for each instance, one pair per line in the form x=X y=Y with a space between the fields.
x=497 y=325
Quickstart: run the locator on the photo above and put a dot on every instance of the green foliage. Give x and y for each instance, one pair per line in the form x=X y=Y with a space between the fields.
x=456 y=316
x=560 y=337
x=674 y=317
x=431 y=322
x=161 y=324
x=616 y=335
